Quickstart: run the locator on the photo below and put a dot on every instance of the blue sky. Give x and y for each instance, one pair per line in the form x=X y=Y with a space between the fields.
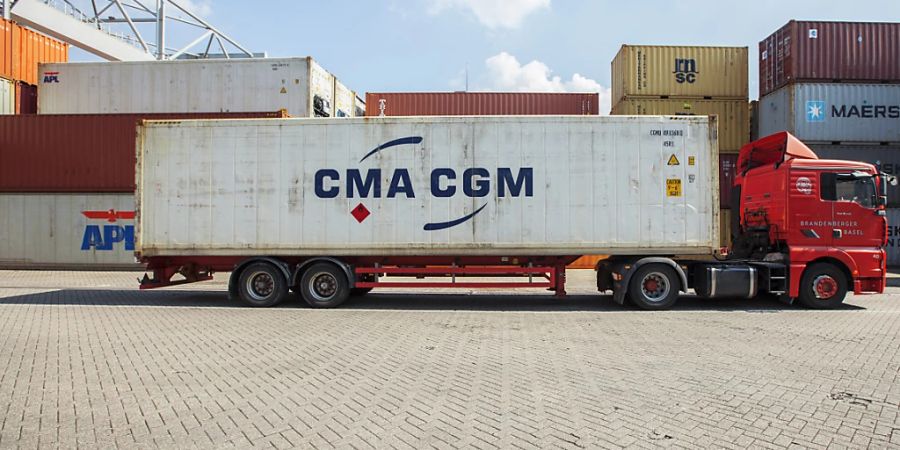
x=426 y=45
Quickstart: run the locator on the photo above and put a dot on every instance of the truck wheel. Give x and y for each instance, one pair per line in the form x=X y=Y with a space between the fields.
x=654 y=287
x=324 y=285
x=823 y=286
x=262 y=284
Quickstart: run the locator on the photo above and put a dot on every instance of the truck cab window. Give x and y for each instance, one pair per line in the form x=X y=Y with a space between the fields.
x=849 y=188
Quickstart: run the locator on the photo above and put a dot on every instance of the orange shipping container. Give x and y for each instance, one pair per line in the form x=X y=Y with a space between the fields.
x=22 y=49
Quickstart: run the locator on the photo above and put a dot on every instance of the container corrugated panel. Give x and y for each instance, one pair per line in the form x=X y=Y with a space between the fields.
x=674 y=71
x=67 y=231
x=209 y=85
x=26 y=98
x=7 y=96
x=76 y=153
x=734 y=123
x=321 y=86
x=480 y=103
x=829 y=112
x=344 y=100
x=546 y=185
x=22 y=49
x=893 y=241
x=829 y=51
x=727 y=171
x=888 y=156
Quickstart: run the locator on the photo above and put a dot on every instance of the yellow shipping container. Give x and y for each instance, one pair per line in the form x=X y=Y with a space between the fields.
x=693 y=72
x=734 y=123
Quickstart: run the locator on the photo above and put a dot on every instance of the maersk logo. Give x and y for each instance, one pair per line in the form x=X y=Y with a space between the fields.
x=445 y=182
x=815 y=111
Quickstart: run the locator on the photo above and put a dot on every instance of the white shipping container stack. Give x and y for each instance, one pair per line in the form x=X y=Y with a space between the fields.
x=7 y=96
x=298 y=85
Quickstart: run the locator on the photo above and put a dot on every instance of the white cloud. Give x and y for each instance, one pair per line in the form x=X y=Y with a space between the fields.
x=493 y=13
x=506 y=73
x=202 y=8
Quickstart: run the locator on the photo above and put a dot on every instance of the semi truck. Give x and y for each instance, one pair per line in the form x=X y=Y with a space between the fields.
x=331 y=209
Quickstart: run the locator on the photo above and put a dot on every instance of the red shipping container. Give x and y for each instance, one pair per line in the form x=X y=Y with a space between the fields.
x=830 y=52
x=26 y=98
x=727 y=171
x=480 y=103
x=78 y=152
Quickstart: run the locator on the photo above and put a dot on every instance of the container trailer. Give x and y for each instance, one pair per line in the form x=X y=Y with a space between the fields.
x=331 y=209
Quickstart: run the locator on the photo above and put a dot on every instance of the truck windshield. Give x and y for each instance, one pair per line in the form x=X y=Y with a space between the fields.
x=855 y=189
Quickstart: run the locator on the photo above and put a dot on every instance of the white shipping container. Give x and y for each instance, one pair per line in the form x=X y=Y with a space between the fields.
x=360 y=107
x=76 y=231
x=298 y=85
x=509 y=185
x=344 y=100
x=833 y=112
x=7 y=96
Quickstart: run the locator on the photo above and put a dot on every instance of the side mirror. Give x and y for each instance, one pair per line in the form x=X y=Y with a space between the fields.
x=882 y=200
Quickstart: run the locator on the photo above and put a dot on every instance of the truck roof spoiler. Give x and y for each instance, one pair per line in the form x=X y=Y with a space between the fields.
x=772 y=149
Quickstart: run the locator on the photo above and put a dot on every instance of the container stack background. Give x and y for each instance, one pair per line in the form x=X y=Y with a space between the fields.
x=676 y=80
x=836 y=87
x=21 y=50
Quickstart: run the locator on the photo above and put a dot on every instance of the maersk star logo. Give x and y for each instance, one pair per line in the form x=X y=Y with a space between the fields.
x=815 y=111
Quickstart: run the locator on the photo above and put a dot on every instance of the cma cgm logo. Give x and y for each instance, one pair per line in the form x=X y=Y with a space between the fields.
x=685 y=70
x=445 y=182
x=106 y=236
x=51 y=77
x=816 y=110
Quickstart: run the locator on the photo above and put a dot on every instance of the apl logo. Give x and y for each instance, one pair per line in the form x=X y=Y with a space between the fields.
x=815 y=111
x=51 y=77
x=445 y=182
x=685 y=70
x=105 y=237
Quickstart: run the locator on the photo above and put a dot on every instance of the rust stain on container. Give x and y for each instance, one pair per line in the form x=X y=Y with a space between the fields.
x=22 y=49
x=734 y=121
x=78 y=152
x=680 y=71
x=831 y=52
x=480 y=103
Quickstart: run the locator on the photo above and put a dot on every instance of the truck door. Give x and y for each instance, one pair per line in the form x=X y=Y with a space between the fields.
x=853 y=199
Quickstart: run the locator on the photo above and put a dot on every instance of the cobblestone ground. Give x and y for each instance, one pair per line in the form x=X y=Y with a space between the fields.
x=86 y=360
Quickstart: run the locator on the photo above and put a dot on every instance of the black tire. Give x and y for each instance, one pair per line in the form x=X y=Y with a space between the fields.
x=359 y=292
x=261 y=285
x=324 y=285
x=654 y=287
x=822 y=286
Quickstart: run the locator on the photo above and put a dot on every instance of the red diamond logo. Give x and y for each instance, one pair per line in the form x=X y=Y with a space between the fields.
x=360 y=212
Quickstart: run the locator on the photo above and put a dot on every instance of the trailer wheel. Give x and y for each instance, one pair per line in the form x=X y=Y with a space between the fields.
x=262 y=284
x=823 y=286
x=654 y=287
x=324 y=285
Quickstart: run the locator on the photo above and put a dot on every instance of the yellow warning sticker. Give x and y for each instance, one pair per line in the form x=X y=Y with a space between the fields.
x=690 y=160
x=673 y=161
x=673 y=187
x=283 y=90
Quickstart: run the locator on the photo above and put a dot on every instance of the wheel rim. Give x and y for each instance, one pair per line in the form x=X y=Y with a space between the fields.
x=260 y=285
x=655 y=287
x=825 y=287
x=323 y=286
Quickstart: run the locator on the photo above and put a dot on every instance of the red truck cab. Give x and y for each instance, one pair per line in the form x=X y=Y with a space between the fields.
x=824 y=219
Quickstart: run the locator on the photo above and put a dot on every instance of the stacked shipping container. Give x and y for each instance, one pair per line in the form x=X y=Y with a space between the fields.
x=836 y=86
x=67 y=188
x=20 y=52
x=675 y=80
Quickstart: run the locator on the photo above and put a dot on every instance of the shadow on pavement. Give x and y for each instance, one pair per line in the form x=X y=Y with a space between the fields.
x=393 y=301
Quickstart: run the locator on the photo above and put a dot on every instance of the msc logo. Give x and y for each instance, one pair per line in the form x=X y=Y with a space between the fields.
x=51 y=77
x=685 y=70
x=445 y=182
x=105 y=237
x=815 y=111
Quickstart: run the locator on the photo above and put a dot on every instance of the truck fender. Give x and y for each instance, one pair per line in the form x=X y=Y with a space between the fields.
x=619 y=294
x=281 y=265
x=348 y=271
